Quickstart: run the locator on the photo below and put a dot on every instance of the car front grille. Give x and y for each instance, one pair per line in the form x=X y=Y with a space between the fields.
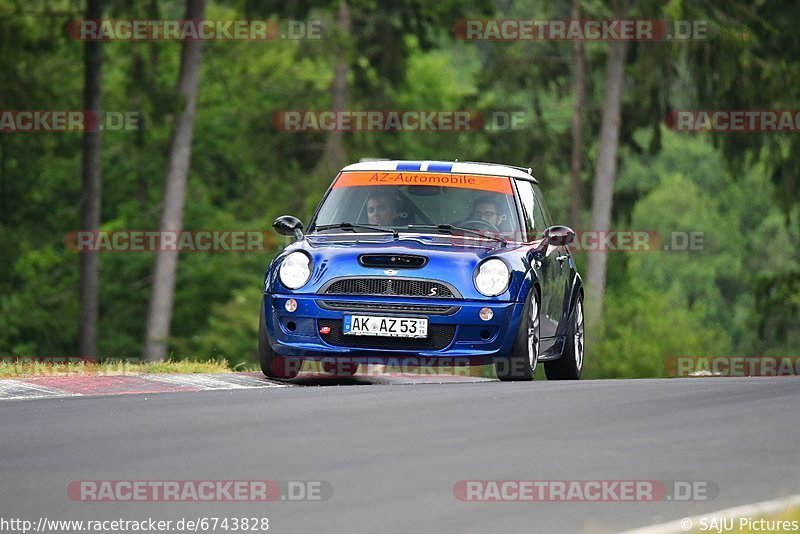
x=396 y=287
x=431 y=309
x=439 y=336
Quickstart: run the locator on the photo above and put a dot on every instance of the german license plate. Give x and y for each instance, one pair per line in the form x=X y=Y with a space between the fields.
x=369 y=325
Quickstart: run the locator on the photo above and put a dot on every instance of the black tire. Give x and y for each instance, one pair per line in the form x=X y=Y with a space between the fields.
x=517 y=365
x=570 y=365
x=273 y=365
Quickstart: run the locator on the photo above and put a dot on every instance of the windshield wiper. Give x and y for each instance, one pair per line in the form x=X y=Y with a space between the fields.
x=451 y=229
x=351 y=226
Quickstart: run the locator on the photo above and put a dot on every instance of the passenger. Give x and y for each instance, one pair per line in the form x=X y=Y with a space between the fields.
x=382 y=207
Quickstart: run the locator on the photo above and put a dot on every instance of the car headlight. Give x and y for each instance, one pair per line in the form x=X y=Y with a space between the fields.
x=492 y=277
x=295 y=270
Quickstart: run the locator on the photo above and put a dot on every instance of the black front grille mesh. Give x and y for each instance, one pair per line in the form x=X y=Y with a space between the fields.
x=389 y=286
x=439 y=336
x=386 y=307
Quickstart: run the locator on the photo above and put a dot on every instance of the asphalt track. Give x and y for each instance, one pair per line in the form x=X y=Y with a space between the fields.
x=393 y=453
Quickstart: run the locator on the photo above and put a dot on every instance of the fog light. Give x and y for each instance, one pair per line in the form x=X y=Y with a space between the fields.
x=291 y=305
x=486 y=313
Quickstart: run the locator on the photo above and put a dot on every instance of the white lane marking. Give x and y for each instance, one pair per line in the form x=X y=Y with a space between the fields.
x=17 y=389
x=753 y=511
x=11 y=389
x=252 y=381
x=215 y=381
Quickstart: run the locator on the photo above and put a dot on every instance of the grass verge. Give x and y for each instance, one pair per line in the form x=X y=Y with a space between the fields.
x=27 y=368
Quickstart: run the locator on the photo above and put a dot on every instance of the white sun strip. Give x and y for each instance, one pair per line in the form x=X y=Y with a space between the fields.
x=17 y=389
x=752 y=511
x=209 y=382
x=459 y=167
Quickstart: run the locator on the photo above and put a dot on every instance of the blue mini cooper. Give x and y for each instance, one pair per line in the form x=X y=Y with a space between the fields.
x=434 y=261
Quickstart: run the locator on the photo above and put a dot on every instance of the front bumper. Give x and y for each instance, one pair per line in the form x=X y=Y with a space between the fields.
x=455 y=328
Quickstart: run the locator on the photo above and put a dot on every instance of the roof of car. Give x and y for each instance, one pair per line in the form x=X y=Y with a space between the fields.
x=454 y=167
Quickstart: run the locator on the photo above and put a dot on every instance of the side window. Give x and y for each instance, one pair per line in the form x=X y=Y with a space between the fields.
x=528 y=202
x=542 y=216
x=537 y=219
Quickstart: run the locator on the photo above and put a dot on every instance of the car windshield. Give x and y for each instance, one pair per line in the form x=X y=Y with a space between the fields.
x=419 y=202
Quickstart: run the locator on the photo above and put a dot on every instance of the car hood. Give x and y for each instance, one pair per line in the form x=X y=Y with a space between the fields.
x=450 y=259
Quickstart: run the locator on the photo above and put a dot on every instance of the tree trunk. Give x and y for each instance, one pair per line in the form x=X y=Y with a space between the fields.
x=91 y=191
x=333 y=155
x=145 y=86
x=5 y=213
x=606 y=174
x=577 y=124
x=159 y=314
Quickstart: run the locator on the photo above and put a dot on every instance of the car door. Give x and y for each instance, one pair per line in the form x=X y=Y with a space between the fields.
x=549 y=268
x=561 y=269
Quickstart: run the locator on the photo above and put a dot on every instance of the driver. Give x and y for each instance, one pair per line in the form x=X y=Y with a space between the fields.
x=382 y=207
x=487 y=209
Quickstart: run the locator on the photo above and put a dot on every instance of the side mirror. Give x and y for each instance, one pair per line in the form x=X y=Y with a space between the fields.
x=289 y=226
x=559 y=236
